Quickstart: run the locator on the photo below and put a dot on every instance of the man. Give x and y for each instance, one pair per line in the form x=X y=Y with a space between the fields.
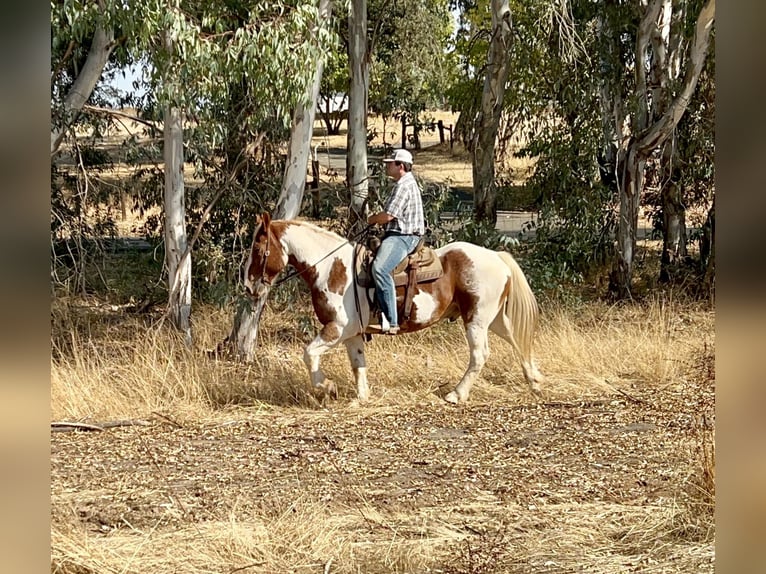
x=402 y=217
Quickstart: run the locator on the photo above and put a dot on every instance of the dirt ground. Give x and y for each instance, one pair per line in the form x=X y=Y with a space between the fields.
x=604 y=485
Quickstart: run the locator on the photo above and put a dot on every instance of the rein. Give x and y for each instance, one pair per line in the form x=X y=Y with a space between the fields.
x=295 y=273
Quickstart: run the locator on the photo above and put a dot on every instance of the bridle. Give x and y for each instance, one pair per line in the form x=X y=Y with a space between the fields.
x=266 y=252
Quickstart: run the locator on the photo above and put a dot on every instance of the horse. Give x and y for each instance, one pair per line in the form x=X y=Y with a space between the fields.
x=486 y=288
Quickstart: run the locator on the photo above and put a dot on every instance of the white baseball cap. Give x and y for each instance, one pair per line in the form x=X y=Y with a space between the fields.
x=400 y=155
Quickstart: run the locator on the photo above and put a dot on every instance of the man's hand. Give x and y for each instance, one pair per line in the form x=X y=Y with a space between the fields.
x=380 y=218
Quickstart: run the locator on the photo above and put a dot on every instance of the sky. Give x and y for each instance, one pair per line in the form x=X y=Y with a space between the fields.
x=125 y=84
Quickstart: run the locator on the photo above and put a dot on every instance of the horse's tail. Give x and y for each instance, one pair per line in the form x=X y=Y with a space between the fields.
x=520 y=317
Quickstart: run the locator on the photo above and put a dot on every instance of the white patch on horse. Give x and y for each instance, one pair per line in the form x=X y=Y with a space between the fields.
x=425 y=307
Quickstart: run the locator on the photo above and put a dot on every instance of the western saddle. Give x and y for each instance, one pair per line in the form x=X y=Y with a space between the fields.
x=422 y=265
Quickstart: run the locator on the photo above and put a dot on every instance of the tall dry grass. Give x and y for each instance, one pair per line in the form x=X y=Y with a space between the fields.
x=108 y=364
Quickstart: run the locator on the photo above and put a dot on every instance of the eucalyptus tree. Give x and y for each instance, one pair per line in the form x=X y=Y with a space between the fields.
x=411 y=61
x=596 y=91
x=215 y=44
x=245 y=329
x=73 y=82
x=399 y=66
x=302 y=129
x=671 y=45
x=495 y=68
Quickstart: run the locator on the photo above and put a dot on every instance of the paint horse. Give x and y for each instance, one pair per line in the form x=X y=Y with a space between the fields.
x=485 y=288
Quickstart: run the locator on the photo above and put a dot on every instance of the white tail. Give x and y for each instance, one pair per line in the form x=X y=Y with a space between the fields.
x=520 y=319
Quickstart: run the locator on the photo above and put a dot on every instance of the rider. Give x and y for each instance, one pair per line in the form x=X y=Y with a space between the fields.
x=402 y=217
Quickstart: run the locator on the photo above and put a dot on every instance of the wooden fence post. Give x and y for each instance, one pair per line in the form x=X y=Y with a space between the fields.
x=315 y=184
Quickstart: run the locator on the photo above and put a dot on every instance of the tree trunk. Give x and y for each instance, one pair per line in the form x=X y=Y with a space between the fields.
x=178 y=261
x=244 y=332
x=673 y=231
x=356 y=157
x=485 y=133
x=630 y=178
x=98 y=55
x=707 y=250
x=294 y=182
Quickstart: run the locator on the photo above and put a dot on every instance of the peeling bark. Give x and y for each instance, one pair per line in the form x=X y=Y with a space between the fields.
x=176 y=257
x=674 y=231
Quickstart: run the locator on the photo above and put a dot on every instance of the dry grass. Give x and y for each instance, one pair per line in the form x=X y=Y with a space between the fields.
x=598 y=349
x=244 y=470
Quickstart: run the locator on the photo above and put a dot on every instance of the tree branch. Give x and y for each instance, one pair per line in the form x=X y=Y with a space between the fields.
x=120 y=114
x=643 y=39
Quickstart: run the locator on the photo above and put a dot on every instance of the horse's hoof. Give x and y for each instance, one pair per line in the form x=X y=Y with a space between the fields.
x=325 y=389
x=452 y=398
x=536 y=390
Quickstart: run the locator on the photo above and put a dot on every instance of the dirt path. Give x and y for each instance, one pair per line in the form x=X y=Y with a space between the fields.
x=528 y=475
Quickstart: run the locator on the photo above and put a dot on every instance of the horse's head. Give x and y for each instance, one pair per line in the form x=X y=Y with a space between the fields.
x=267 y=259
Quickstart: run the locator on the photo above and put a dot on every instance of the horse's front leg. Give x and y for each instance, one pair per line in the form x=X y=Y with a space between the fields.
x=355 y=348
x=327 y=338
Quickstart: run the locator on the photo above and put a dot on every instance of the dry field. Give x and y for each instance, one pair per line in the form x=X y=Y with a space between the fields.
x=238 y=468
x=187 y=463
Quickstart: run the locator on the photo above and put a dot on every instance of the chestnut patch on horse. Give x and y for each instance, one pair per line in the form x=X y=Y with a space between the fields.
x=330 y=332
x=337 y=278
x=461 y=266
x=324 y=311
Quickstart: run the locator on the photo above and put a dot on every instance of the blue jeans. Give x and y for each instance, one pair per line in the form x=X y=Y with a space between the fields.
x=392 y=251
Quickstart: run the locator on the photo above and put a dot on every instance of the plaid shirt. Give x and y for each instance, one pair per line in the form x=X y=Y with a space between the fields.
x=406 y=206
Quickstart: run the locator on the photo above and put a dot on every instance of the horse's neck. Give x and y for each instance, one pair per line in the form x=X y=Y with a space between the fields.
x=311 y=246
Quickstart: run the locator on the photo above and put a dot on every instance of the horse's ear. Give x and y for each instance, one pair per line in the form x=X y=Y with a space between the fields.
x=266 y=220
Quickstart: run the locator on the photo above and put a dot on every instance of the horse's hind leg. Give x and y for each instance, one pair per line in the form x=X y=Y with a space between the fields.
x=532 y=374
x=355 y=349
x=478 y=345
x=327 y=338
